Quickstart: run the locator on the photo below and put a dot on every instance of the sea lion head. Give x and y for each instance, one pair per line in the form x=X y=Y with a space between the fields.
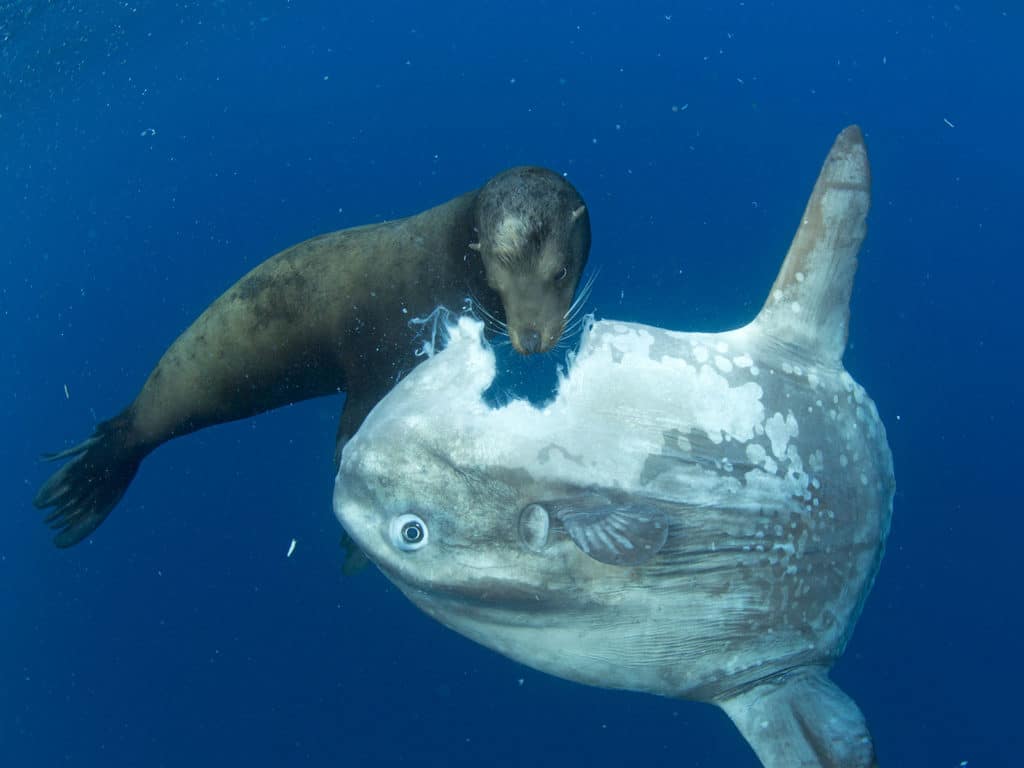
x=534 y=238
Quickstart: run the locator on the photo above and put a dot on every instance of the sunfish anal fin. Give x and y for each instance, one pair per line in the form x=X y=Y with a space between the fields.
x=802 y=720
x=616 y=534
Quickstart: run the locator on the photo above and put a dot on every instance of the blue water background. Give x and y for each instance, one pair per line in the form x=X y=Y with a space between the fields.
x=151 y=153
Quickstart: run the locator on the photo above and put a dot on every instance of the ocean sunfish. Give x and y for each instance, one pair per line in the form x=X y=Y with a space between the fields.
x=697 y=515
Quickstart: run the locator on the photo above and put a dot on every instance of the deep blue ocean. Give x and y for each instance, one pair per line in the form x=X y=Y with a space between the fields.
x=152 y=153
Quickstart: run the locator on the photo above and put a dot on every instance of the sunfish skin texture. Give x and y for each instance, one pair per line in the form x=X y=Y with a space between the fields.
x=538 y=531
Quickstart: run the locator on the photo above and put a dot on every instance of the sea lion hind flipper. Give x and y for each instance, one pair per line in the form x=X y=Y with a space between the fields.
x=89 y=485
x=802 y=719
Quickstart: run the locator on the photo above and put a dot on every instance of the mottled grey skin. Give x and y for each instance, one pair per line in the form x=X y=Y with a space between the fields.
x=698 y=515
x=332 y=314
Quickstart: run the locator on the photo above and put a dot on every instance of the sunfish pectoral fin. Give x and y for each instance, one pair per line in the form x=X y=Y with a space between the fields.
x=613 y=533
x=802 y=720
x=809 y=304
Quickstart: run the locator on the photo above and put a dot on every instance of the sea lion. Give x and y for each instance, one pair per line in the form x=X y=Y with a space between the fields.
x=695 y=515
x=332 y=314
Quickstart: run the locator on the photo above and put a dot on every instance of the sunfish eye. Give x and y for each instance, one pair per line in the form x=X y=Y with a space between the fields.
x=408 y=532
x=561 y=274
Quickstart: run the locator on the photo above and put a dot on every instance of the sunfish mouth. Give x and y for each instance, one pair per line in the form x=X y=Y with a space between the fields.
x=491 y=595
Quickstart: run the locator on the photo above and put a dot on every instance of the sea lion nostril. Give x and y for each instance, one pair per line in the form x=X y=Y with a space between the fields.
x=530 y=341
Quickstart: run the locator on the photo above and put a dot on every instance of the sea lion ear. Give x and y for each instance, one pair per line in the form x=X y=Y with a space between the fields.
x=615 y=534
x=474 y=247
x=578 y=212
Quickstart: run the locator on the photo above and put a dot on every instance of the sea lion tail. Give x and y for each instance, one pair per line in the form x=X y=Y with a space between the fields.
x=83 y=491
x=802 y=720
x=809 y=305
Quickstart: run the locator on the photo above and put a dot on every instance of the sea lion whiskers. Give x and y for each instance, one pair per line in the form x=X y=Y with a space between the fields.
x=581 y=298
x=573 y=330
x=576 y=325
x=569 y=340
x=492 y=323
x=575 y=319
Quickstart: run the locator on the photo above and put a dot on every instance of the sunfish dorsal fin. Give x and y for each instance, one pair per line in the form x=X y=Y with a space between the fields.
x=802 y=719
x=809 y=304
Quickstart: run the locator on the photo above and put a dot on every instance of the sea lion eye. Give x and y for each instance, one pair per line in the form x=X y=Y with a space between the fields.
x=409 y=532
x=561 y=274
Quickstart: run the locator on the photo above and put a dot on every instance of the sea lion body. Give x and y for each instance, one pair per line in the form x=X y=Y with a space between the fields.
x=332 y=314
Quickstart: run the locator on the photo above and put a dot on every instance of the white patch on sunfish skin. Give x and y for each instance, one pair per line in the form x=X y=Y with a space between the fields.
x=713 y=405
x=606 y=393
x=780 y=430
x=743 y=361
x=758 y=456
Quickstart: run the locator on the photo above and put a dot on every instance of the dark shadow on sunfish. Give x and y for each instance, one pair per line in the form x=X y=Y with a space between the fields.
x=535 y=377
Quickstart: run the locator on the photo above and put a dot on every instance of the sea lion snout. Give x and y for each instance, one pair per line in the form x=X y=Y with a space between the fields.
x=530 y=342
x=537 y=299
x=534 y=314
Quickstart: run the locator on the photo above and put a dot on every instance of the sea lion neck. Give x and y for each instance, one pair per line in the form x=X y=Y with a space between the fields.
x=439 y=264
x=461 y=249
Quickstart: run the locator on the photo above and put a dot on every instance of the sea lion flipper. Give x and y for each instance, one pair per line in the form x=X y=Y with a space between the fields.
x=356 y=560
x=359 y=401
x=89 y=485
x=802 y=719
